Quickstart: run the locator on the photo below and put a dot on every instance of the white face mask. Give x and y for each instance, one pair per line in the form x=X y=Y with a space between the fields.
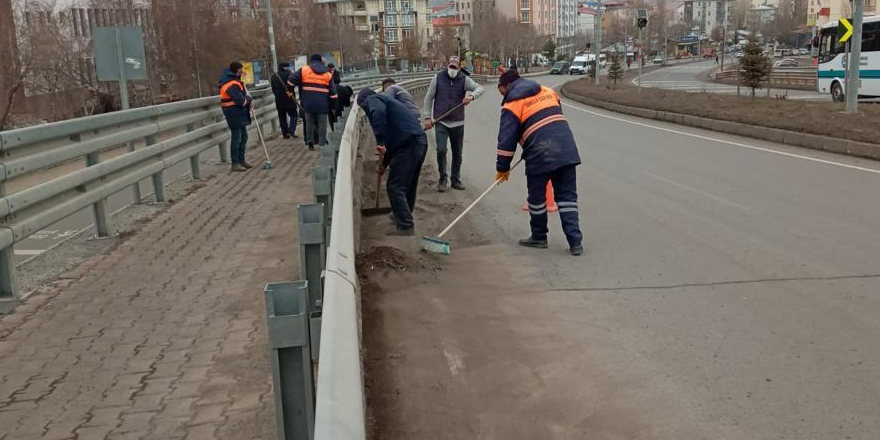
x=452 y=72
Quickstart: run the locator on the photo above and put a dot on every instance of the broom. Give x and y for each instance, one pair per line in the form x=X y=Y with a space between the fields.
x=437 y=244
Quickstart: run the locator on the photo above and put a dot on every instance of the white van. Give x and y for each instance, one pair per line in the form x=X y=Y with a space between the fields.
x=583 y=63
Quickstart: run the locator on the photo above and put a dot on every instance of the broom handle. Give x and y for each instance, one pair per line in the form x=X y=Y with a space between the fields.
x=434 y=121
x=379 y=181
x=259 y=131
x=474 y=203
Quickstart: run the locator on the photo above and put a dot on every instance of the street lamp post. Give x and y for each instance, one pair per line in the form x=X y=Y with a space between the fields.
x=271 y=34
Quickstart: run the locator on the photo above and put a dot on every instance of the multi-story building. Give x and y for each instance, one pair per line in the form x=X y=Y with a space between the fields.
x=566 y=26
x=541 y=14
x=820 y=12
x=388 y=22
x=8 y=49
x=705 y=16
x=586 y=20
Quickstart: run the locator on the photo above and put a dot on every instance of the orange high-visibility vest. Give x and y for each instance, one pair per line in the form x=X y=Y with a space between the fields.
x=524 y=109
x=316 y=82
x=225 y=98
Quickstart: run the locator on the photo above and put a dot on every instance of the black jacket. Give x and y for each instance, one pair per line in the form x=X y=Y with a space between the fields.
x=279 y=88
x=393 y=124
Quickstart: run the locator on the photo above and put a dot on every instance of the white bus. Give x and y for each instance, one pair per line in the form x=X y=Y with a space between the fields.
x=832 y=64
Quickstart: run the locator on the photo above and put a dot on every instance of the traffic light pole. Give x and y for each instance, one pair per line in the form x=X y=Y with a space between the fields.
x=271 y=34
x=855 y=58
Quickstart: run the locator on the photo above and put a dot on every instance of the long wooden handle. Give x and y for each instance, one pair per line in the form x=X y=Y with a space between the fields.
x=474 y=203
x=447 y=113
x=379 y=180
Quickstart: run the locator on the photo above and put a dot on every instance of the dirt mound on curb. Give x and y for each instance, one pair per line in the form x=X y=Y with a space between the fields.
x=390 y=258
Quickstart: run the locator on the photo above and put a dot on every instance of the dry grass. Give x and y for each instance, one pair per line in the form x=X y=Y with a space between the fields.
x=821 y=118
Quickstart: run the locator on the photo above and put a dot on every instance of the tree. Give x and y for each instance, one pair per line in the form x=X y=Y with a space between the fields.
x=615 y=71
x=754 y=65
x=411 y=49
x=550 y=49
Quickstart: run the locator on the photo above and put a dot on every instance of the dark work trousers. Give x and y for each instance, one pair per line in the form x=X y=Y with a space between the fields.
x=237 y=143
x=288 y=128
x=565 y=191
x=316 y=124
x=403 y=179
x=455 y=136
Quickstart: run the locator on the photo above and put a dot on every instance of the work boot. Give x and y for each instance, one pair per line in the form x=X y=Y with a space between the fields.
x=458 y=186
x=576 y=250
x=237 y=168
x=441 y=187
x=401 y=232
x=311 y=146
x=247 y=165
x=532 y=243
x=392 y=218
x=286 y=136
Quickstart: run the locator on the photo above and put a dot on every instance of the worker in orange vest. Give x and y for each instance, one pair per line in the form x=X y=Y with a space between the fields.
x=318 y=94
x=236 y=104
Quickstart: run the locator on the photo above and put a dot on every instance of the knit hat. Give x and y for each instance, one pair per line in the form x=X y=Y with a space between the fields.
x=454 y=61
x=316 y=57
x=508 y=77
x=365 y=93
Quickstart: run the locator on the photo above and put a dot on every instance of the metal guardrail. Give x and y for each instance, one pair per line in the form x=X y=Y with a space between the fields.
x=171 y=133
x=793 y=76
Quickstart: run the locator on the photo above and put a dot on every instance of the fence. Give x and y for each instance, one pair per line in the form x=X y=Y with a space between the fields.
x=798 y=77
x=170 y=134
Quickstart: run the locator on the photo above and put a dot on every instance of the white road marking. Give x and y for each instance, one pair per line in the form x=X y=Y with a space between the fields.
x=700 y=192
x=28 y=251
x=736 y=144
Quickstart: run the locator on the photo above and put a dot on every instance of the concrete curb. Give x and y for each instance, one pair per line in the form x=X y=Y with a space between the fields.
x=806 y=140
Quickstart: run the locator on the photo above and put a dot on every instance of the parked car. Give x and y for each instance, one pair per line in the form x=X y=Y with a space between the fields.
x=560 y=68
x=657 y=60
x=739 y=55
x=786 y=62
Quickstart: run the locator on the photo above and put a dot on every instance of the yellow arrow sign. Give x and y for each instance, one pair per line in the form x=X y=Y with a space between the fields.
x=846 y=24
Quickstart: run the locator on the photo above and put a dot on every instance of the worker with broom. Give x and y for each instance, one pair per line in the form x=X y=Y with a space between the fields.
x=402 y=145
x=236 y=105
x=532 y=116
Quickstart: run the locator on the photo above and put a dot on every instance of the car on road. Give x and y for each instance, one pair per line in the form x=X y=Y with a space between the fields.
x=739 y=55
x=580 y=65
x=657 y=60
x=560 y=68
x=786 y=62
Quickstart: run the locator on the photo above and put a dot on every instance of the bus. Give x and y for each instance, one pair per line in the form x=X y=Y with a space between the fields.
x=832 y=63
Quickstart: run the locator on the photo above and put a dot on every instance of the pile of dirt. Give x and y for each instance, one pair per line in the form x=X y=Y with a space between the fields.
x=390 y=258
x=820 y=118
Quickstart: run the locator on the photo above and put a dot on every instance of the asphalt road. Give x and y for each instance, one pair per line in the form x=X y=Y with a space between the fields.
x=729 y=287
x=693 y=77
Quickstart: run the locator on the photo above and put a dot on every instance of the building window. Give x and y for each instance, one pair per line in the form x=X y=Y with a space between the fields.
x=409 y=33
x=524 y=4
x=390 y=35
x=405 y=6
x=407 y=20
x=390 y=6
x=390 y=20
x=526 y=18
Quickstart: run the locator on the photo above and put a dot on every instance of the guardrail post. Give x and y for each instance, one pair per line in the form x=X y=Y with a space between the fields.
x=136 y=188
x=223 y=146
x=158 y=178
x=312 y=250
x=322 y=185
x=8 y=287
x=289 y=348
x=99 y=208
x=194 y=160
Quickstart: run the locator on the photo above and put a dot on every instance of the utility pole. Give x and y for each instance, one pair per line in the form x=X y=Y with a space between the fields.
x=195 y=53
x=598 y=49
x=724 y=36
x=271 y=34
x=855 y=59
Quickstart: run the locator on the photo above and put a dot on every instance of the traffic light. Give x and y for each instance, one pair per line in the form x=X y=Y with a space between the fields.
x=589 y=45
x=642 y=18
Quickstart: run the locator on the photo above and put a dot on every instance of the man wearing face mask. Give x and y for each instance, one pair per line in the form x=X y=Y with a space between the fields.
x=448 y=90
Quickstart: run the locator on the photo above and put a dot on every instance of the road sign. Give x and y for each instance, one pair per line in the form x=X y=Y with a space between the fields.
x=107 y=56
x=844 y=23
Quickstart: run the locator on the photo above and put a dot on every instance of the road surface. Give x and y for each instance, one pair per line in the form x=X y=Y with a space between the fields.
x=694 y=77
x=728 y=290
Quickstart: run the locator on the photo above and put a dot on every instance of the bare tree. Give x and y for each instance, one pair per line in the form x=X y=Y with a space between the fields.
x=411 y=49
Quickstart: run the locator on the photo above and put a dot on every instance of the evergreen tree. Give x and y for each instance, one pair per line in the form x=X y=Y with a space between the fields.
x=754 y=66
x=615 y=71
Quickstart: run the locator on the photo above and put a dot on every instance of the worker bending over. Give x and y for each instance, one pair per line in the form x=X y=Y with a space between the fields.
x=532 y=116
x=402 y=144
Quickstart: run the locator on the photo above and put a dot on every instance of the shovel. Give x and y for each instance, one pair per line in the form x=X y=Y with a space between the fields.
x=377 y=210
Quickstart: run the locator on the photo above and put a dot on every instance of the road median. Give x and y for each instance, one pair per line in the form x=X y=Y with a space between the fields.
x=815 y=125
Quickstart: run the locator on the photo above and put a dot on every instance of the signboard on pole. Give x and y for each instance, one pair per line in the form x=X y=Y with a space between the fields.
x=845 y=24
x=247 y=73
x=132 y=54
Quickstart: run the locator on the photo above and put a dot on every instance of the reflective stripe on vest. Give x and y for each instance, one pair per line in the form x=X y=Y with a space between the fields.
x=315 y=82
x=225 y=99
x=524 y=109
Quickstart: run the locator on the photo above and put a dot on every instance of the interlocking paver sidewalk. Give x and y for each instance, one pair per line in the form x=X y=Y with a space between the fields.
x=163 y=337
